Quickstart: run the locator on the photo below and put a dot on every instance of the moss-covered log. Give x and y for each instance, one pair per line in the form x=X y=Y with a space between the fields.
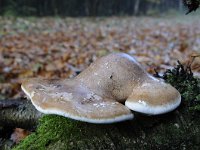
x=177 y=130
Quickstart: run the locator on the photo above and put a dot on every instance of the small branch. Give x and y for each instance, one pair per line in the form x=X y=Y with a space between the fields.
x=192 y=5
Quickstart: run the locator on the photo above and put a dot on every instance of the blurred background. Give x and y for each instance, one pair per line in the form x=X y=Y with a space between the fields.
x=76 y=8
x=60 y=38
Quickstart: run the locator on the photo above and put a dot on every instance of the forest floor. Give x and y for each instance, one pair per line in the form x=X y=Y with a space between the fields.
x=63 y=47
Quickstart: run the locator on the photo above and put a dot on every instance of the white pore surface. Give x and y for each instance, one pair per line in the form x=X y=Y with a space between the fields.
x=152 y=110
x=68 y=115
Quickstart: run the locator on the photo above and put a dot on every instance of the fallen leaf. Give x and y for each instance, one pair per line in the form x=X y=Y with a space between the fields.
x=19 y=134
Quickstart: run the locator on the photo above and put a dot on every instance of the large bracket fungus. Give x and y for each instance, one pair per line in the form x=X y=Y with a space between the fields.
x=96 y=95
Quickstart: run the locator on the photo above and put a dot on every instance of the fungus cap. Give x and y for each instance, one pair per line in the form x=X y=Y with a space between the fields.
x=68 y=99
x=95 y=94
x=153 y=97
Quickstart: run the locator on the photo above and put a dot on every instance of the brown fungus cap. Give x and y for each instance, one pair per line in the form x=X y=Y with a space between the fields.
x=153 y=97
x=95 y=94
x=68 y=98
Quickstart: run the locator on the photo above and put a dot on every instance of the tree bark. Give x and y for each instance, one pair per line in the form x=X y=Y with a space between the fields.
x=18 y=113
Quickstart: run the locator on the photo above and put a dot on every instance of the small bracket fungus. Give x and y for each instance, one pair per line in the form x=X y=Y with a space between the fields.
x=96 y=94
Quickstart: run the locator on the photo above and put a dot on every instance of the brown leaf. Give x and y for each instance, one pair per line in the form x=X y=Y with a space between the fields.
x=19 y=134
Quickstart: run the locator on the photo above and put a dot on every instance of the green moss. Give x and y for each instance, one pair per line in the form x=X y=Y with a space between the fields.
x=51 y=129
x=181 y=77
x=57 y=132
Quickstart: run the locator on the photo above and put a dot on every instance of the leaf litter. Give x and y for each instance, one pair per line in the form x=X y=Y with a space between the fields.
x=63 y=47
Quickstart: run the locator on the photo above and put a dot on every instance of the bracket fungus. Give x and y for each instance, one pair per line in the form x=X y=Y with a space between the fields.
x=96 y=95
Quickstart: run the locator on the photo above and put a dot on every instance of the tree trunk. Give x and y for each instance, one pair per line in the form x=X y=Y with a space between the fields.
x=136 y=7
x=180 y=5
x=179 y=129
